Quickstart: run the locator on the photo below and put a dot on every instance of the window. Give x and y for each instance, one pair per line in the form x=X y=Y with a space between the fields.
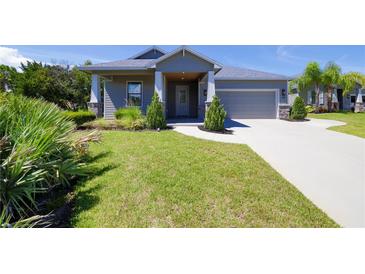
x=134 y=94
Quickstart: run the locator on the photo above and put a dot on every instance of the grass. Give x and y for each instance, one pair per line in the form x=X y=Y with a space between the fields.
x=165 y=179
x=355 y=122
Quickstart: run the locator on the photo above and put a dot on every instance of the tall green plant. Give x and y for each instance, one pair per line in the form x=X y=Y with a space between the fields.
x=312 y=76
x=331 y=77
x=155 y=118
x=298 y=111
x=215 y=115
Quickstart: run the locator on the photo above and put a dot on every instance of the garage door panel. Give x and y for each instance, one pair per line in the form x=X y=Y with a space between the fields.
x=248 y=105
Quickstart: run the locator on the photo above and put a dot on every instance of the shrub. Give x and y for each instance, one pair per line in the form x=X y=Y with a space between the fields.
x=155 y=118
x=298 y=111
x=138 y=124
x=214 y=117
x=309 y=109
x=132 y=113
x=36 y=152
x=80 y=117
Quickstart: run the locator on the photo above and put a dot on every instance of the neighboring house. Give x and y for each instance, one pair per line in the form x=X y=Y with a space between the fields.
x=345 y=102
x=186 y=82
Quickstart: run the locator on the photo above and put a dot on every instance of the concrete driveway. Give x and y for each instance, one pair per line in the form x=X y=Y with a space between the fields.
x=326 y=166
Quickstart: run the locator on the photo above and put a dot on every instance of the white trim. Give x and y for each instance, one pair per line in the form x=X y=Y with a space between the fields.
x=187 y=98
x=126 y=92
x=185 y=48
x=276 y=90
x=147 y=50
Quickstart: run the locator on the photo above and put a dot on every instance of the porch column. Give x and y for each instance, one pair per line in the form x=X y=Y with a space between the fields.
x=95 y=89
x=95 y=105
x=211 y=86
x=159 y=85
x=159 y=88
x=359 y=105
x=210 y=89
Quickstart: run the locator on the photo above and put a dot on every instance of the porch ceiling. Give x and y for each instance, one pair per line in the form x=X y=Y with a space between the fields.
x=178 y=76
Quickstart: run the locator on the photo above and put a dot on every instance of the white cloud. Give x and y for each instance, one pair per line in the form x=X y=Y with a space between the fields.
x=283 y=53
x=12 y=57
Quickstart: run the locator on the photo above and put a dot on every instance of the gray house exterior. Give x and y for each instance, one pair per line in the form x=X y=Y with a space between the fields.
x=345 y=102
x=186 y=82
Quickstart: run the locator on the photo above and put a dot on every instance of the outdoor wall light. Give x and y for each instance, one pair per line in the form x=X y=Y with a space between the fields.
x=205 y=92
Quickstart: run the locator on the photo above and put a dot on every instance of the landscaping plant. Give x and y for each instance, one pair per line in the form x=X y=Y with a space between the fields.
x=132 y=113
x=155 y=118
x=309 y=108
x=37 y=152
x=298 y=111
x=80 y=117
x=214 y=117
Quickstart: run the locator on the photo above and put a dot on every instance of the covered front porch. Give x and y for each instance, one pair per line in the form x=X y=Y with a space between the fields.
x=185 y=95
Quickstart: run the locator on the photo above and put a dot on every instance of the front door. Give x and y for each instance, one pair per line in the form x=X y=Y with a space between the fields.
x=182 y=100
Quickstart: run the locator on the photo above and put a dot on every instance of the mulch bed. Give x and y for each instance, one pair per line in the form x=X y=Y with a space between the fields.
x=225 y=131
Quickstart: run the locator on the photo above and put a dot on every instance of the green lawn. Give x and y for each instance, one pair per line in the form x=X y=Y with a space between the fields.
x=355 y=122
x=165 y=179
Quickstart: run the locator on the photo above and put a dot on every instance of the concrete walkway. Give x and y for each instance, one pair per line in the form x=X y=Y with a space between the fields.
x=326 y=166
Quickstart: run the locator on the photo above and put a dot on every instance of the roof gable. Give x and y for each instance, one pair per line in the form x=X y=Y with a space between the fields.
x=183 y=50
x=149 y=53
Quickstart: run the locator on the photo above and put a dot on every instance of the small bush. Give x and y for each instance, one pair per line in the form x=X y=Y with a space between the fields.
x=309 y=109
x=138 y=124
x=132 y=113
x=298 y=111
x=214 y=117
x=80 y=117
x=155 y=116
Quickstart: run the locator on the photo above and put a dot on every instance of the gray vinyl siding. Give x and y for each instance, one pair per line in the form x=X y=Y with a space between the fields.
x=171 y=98
x=115 y=93
x=256 y=84
x=186 y=63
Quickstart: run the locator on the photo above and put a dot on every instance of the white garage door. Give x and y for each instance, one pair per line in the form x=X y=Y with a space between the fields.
x=249 y=104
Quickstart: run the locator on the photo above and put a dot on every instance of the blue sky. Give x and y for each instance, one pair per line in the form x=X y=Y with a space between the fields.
x=287 y=60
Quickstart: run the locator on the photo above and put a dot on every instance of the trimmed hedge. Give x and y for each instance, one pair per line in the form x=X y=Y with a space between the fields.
x=298 y=111
x=80 y=117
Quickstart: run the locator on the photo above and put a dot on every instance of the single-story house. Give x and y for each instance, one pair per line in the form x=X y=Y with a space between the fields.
x=344 y=101
x=186 y=82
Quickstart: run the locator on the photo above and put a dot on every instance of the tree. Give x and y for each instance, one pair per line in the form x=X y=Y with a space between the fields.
x=298 y=111
x=350 y=80
x=8 y=78
x=67 y=88
x=155 y=117
x=300 y=85
x=214 y=117
x=312 y=76
x=331 y=77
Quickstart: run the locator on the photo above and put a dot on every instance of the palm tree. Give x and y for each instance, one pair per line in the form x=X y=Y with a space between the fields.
x=312 y=76
x=350 y=80
x=330 y=78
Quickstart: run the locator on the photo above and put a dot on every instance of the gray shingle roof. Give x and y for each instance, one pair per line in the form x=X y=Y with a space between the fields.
x=122 y=64
x=235 y=73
